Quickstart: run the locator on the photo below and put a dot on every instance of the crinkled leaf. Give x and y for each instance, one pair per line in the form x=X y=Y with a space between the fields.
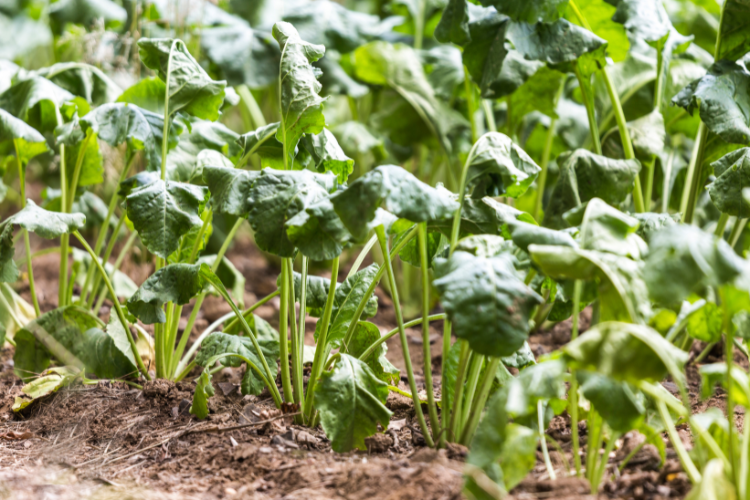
x=530 y=11
x=117 y=123
x=325 y=155
x=721 y=98
x=351 y=402
x=682 y=259
x=35 y=101
x=400 y=192
x=626 y=352
x=147 y=94
x=735 y=42
x=501 y=166
x=275 y=198
x=585 y=175
x=650 y=223
x=301 y=111
x=190 y=89
x=182 y=160
x=318 y=231
x=229 y=189
x=732 y=172
x=203 y=391
x=164 y=211
x=486 y=300
x=454 y=23
x=599 y=15
x=706 y=323
x=82 y=80
x=485 y=245
x=243 y=54
x=176 y=283
x=619 y=403
x=44 y=223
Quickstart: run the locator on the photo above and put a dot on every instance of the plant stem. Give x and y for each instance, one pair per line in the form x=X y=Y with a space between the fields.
x=603 y=464
x=477 y=405
x=679 y=448
x=298 y=336
x=573 y=391
x=721 y=225
x=489 y=115
x=380 y=231
x=426 y=352
x=361 y=257
x=734 y=236
x=165 y=130
x=371 y=289
x=545 y=452
x=320 y=347
x=694 y=175
x=475 y=369
x=419 y=25
x=251 y=105
x=105 y=259
x=541 y=181
x=26 y=243
x=729 y=360
x=65 y=238
x=120 y=258
x=102 y=234
x=745 y=461
x=649 y=190
x=471 y=105
x=588 y=102
x=211 y=328
x=415 y=322
x=286 y=383
x=116 y=303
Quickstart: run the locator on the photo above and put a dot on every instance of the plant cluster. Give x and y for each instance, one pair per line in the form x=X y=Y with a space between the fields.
x=513 y=161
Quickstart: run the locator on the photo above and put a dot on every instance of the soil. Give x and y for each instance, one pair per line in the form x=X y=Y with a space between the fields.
x=112 y=441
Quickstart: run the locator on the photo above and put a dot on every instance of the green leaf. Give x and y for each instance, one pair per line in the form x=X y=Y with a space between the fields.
x=599 y=15
x=585 y=175
x=530 y=11
x=242 y=54
x=325 y=155
x=347 y=291
x=121 y=282
x=86 y=11
x=176 y=283
x=351 y=402
x=414 y=106
x=706 y=323
x=253 y=141
x=49 y=225
x=364 y=336
x=229 y=189
x=27 y=141
x=716 y=373
x=626 y=352
x=219 y=343
x=529 y=234
x=48 y=383
x=164 y=211
x=190 y=89
x=486 y=300
x=182 y=161
x=301 y=111
x=119 y=123
x=82 y=80
x=318 y=231
x=650 y=223
x=147 y=94
x=275 y=198
x=620 y=404
x=347 y=298
x=485 y=245
x=501 y=166
x=648 y=134
x=92 y=168
x=454 y=23
x=682 y=259
x=71 y=335
x=400 y=192
x=733 y=40
x=203 y=391
x=732 y=172
x=35 y=101
x=718 y=98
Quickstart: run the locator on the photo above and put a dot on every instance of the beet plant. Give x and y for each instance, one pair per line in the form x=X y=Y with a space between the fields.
x=504 y=165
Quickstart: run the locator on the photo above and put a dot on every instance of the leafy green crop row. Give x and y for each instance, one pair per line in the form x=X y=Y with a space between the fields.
x=516 y=161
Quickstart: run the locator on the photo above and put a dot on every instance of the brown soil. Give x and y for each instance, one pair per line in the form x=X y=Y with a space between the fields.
x=112 y=441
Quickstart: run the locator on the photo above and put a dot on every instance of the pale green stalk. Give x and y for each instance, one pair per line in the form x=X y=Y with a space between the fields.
x=298 y=353
x=120 y=258
x=541 y=182
x=415 y=322
x=573 y=391
x=734 y=236
x=588 y=102
x=545 y=452
x=426 y=353
x=116 y=303
x=26 y=243
x=65 y=238
x=472 y=379
x=105 y=259
x=477 y=405
x=286 y=382
x=380 y=231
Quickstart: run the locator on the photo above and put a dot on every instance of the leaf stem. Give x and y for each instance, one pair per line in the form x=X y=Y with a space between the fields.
x=104 y=259
x=541 y=182
x=475 y=369
x=471 y=105
x=545 y=452
x=590 y=111
x=251 y=105
x=573 y=391
x=65 y=238
x=116 y=303
x=120 y=258
x=721 y=225
x=734 y=236
x=426 y=352
x=298 y=337
x=26 y=243
x=374 y=346
x=165 y=130
x=380 y=231
x=320 y=347
x=477 y=405
x=286 y=383
x=679 y=448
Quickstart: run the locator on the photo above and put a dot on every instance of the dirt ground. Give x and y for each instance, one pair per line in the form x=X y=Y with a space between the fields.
x=110 y=441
